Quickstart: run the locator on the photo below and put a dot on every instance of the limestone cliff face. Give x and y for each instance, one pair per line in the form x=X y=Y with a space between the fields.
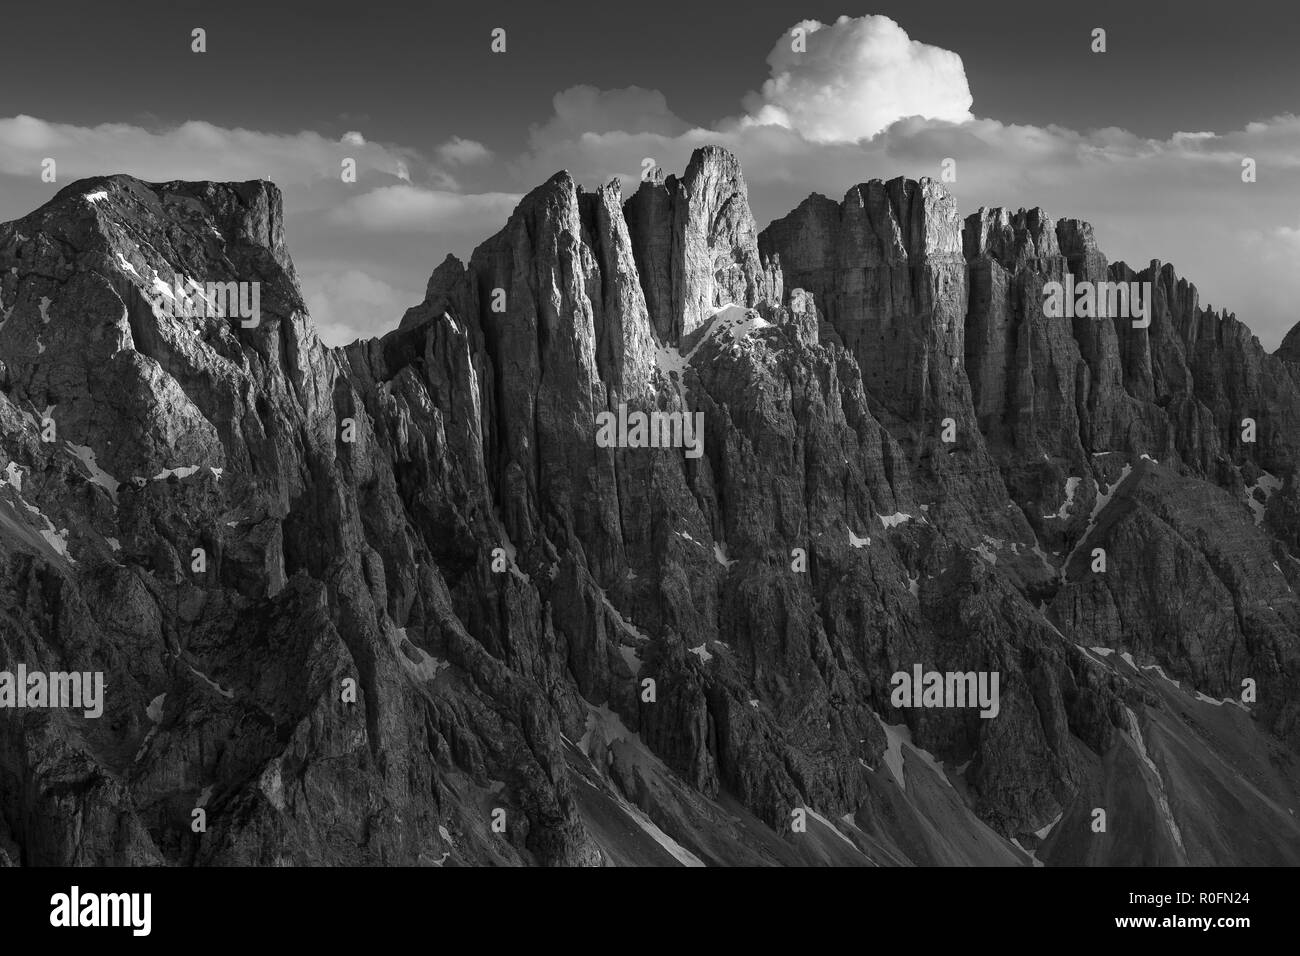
x=570 y=654
x=1061 y=403
x=888 y=274
x=887 y=270
x=694 y=241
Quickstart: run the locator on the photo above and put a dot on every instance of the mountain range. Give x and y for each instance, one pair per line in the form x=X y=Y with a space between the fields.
x=393 y=603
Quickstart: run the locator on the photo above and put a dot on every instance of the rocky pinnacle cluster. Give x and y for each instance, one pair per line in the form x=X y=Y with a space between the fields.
x=396 y=603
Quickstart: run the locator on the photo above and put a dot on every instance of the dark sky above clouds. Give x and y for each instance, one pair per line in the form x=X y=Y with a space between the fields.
x=448 y=134
x=419 y=71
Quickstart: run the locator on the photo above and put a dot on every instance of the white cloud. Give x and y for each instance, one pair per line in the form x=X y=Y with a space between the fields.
x=353 y=242
x=580 y=110
x=463 y=152
x=411 y=209
x=353 y=138
x=349 y=303
x=854 y=78
x=1179 y=199
x=193 y=150
x=865 y=101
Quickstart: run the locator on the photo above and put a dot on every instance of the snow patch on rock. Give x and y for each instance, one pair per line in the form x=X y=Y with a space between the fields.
x=897 y=735
x=1103 y=499
x=702 y=652
x=1071 y=486
x=1266 y=485
x=1135 y=733
x=98 y=475
x=228 y=694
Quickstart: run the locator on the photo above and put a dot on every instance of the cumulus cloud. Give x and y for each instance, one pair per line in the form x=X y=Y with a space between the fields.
x=1178 y=199
x=463 y=152
x=865 y=101
x=853 y=78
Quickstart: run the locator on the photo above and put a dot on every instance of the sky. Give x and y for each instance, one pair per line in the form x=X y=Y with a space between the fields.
x=1145 y=140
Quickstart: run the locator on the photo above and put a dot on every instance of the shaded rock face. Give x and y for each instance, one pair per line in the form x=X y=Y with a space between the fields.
x=397 y=603
x=886 y=269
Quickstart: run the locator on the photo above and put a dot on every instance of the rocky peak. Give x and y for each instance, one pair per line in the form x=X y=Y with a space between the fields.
x=249 y=213
x=904 y=462
x=92 y=293
x=694 y=243
x=886 y=269
x=1075 y=239
x=1290 y=347
x=1012 y=238
x=445 y=279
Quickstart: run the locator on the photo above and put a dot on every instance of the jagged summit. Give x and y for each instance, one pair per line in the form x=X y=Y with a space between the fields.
x=695 y=244
x=249 y=211
x=400 y=602
x=127 y=184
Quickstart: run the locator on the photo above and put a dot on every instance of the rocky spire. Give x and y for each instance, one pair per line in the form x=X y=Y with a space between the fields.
x=695 y=244
x=408 y=575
